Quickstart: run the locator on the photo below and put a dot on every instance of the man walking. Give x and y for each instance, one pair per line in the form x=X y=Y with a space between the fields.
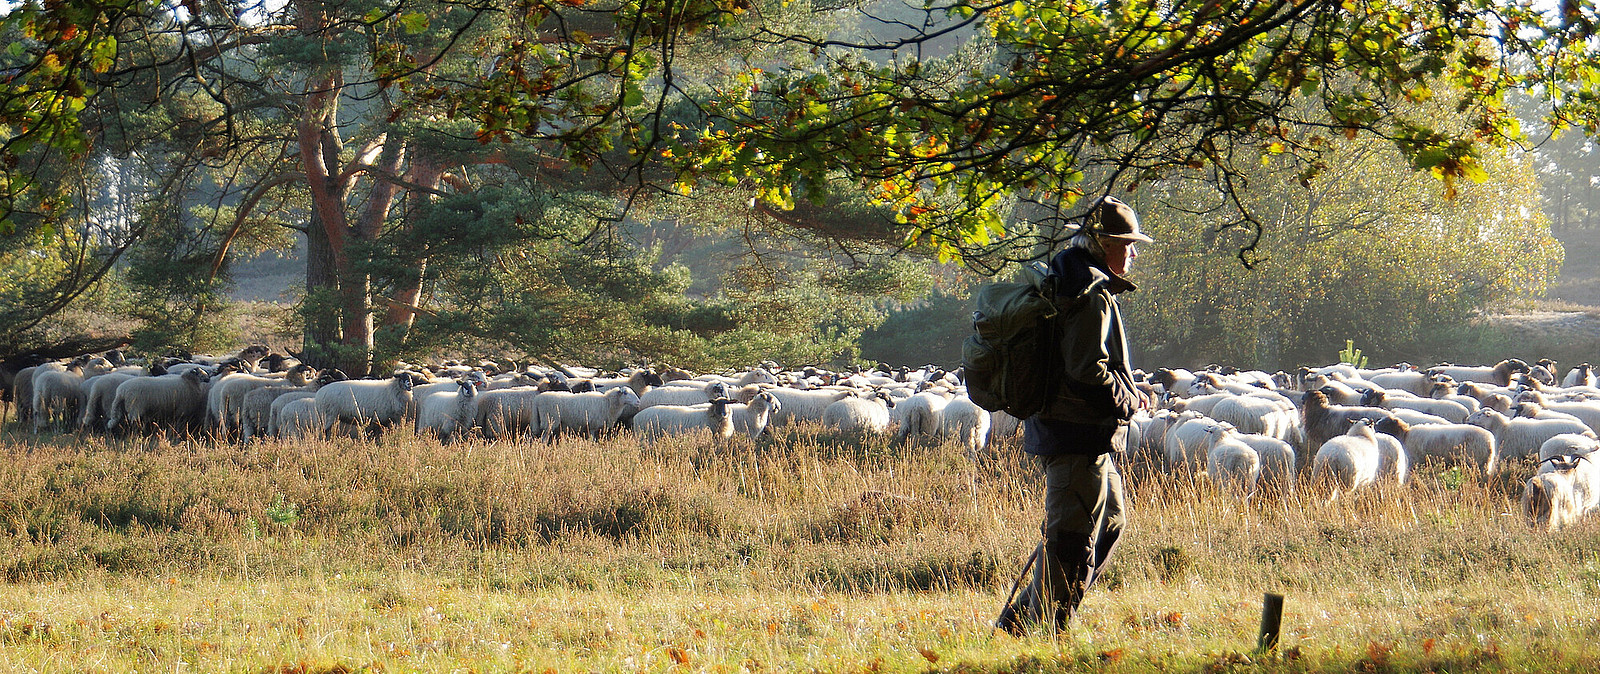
x=1085 y=422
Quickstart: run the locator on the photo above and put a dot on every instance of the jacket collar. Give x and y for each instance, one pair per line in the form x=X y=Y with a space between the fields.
x=1080 y=273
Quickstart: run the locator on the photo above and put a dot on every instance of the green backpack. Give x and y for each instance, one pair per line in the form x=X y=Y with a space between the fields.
x=1011 y=360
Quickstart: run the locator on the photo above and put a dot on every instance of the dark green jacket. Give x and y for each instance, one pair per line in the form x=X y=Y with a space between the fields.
x=1095 y=396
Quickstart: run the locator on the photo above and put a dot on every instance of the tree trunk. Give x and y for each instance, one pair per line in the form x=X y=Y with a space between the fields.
x=321 y=310
x=426 y=172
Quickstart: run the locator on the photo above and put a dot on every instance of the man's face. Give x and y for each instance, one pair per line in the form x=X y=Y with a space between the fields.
x=1119 y=254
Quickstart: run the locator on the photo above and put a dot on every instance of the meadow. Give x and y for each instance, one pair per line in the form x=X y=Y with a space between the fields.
x=805 y=552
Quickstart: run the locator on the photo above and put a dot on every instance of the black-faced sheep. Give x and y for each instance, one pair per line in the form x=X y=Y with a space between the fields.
x=1322 y=421
x=1448 y=442
x=450 y=415
x=1565 y=488
x=1450 y=411
x=1568 y=444
x=867 y=412
x=176 y=401
x=662 y=420
x=1348 y=462
x=752 y=418
x=1499 y=374
x=1516 y=438
x=1582 y=375
x=590 y=413
x=370 y=404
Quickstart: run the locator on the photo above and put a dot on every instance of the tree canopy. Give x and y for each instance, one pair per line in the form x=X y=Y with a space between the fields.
x=421 y=145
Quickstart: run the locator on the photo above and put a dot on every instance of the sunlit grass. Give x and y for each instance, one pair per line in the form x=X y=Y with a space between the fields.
x=810 y=551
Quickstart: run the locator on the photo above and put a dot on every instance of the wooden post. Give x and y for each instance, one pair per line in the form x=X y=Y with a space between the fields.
x=1271 y=620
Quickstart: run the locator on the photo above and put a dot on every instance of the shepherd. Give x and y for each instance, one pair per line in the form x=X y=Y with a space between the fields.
x=1085 y=422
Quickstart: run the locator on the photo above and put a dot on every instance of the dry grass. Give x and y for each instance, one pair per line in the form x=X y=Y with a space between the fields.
x=808 y=552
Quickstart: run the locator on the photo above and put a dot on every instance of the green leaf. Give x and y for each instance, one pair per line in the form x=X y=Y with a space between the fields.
x=414 y=22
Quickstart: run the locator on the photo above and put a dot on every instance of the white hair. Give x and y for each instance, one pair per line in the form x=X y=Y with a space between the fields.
x=1089 y=241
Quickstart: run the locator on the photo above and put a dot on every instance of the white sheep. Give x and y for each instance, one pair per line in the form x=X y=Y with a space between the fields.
x=255 y=408
x=1185 y=442
x=1582 y=375
x=1230 y=464
x=752 y=418
x=663 y=420
x=1567 y=444
x=920 y=414
x=101 y=393
x=1348 y=462
x=1416 y=418
x=1271 y=417
x=1448 y=442
x=1587 y=412
x=1517 y=437
x=689 y=394
x=225 y=400
x=1410 y=381
x=1393 y=465
x=1003 y=426
x=867 y=412
x=450 y=415
x=1565 y=488
x=1204 y=404
x=506 y=411
x=1450 y=411
x=591 y=413
x=1277 y=458
x=963 y=420
x=1150 y=450
x=806 y=405
x=298 y=418
x=371 y=404
x=22 y=387
x=175 y=400
x=58 y=395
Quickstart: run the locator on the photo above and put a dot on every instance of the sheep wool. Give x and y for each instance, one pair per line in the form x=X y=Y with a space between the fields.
x=662 y=420
x=1348 y=462
x=867 y=413
x=450 y=415
x=591 y=413
x=752 y=418
x=371 y=404
x=1519 y=437
x=1233 y=466
x=967 y=423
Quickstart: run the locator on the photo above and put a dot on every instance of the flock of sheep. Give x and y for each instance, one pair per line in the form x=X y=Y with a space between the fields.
x=1342 y=428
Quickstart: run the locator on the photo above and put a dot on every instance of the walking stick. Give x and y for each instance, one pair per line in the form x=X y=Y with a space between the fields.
x=1018 y=583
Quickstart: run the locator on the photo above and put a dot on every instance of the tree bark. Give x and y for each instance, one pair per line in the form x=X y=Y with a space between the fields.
x=425 y=172
x=321 y=315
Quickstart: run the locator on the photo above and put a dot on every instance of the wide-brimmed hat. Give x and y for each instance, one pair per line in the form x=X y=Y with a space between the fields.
x=1108 y=216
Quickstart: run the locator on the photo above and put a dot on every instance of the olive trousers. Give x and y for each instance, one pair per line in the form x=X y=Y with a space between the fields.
x=1085 y=514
